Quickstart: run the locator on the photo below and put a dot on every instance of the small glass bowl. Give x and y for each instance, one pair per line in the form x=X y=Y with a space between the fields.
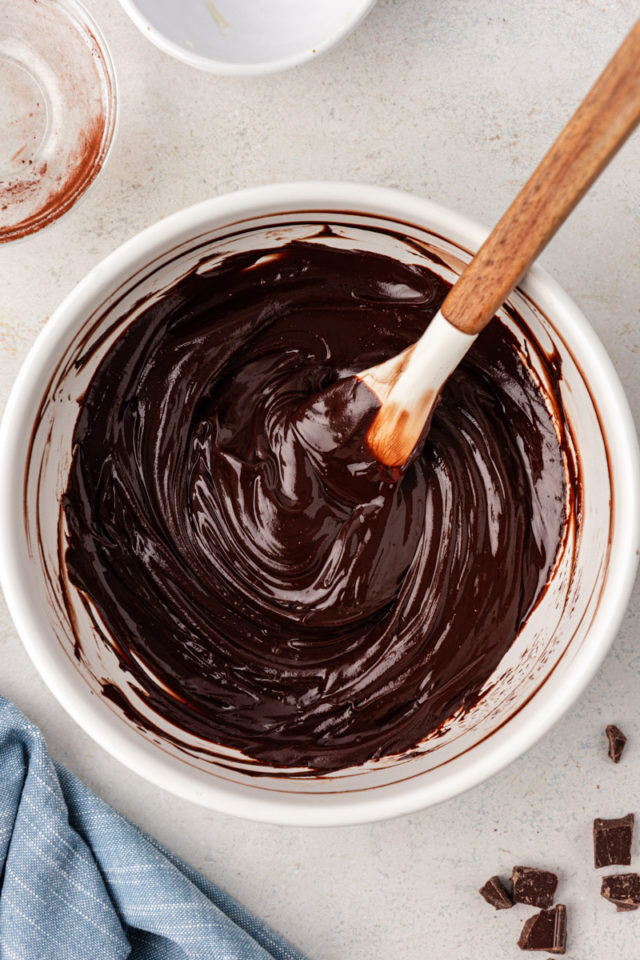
x=57 y=111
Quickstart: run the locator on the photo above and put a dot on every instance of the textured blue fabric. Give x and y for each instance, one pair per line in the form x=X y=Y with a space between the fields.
x=80 y=882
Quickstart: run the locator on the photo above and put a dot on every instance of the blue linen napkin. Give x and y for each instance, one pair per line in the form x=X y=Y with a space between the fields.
x=80 y=882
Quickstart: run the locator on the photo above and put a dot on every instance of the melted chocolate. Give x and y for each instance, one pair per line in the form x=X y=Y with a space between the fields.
x=267 y=587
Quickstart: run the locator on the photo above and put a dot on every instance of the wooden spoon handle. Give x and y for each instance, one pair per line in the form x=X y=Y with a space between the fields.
x=596 y=131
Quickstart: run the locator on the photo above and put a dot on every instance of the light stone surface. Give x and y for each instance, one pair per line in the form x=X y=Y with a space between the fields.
x=456 y=101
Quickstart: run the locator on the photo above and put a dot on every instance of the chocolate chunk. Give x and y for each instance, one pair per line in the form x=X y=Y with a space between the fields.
x=547 y=930
x=623 y=889
x=533 y=887
x=612 y=841
x=496 y=894
x=617 y=741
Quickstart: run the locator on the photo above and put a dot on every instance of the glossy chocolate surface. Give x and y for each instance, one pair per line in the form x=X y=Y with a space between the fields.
x=264 y=584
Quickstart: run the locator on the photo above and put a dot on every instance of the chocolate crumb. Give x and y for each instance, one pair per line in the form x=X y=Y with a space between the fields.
x=612 y=841
x=546 y=930
x=533 y=887
x=496 y=894
x=617 y=741
x=623 y=889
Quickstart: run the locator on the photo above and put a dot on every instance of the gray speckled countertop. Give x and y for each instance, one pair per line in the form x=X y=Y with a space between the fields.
x=456 y=101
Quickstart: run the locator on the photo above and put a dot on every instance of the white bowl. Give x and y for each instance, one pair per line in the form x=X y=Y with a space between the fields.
x=246 y=36
x=557 y=651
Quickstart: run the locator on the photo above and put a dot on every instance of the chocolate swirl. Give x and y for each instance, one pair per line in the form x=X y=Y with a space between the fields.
x=267 y=587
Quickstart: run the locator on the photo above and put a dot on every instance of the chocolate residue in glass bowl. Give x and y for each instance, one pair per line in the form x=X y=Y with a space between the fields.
x=57 y=116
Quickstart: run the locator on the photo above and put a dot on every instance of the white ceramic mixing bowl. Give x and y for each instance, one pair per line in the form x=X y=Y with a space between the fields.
x=558 y=649
x=246 y=36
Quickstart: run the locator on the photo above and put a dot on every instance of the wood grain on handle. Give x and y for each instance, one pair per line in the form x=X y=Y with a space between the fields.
x=596 y=131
